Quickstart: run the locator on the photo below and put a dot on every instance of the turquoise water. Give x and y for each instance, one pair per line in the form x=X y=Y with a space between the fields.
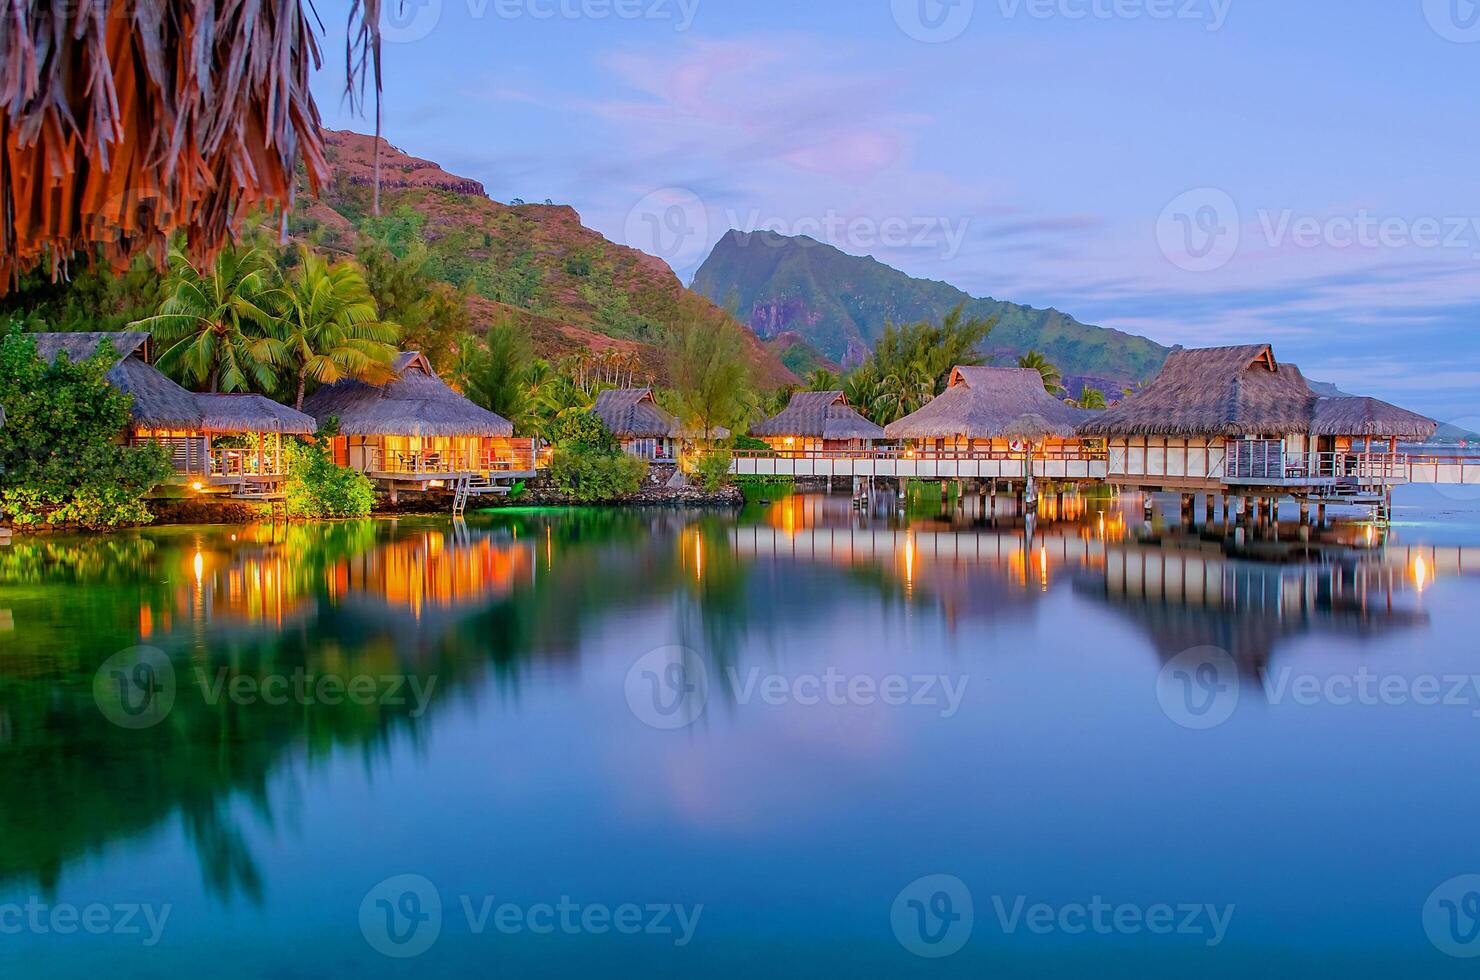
x=801 y=741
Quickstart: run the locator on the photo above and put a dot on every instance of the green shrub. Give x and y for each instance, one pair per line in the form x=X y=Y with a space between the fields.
x=582 y=429
x=317 y=487
x=589 y=474
x=712 y=469
x=751 y=444
x=61 y=449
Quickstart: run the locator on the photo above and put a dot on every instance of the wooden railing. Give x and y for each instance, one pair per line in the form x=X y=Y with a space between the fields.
x=519 y=458
x=246 y=462
x=947 y=455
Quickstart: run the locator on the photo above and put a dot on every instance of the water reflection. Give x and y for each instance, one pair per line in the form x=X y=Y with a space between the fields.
x=489 y=602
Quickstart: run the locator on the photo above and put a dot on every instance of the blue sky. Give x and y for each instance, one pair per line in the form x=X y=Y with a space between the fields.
x=1198 y=171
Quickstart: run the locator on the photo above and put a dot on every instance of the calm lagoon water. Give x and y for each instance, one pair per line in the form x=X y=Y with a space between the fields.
x=563 y=723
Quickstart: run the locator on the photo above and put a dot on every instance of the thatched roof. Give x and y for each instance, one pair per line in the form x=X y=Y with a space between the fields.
x=1244 y=391
x=990 y=403
x=160 y=403
x=414 y=403
x=819 y=415
x=633 y=413
x=1226 y=391
x=251 y=413
x=1354 y=416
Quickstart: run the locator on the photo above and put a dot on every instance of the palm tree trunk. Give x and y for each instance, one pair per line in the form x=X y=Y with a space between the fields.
x=302 y=380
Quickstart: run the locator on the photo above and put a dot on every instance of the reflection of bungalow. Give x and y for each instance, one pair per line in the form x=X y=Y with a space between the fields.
x=988 y=409
x=1235 y=415
x=414 y=430
x=818 y=420
x=634 y=417
x=220 y=442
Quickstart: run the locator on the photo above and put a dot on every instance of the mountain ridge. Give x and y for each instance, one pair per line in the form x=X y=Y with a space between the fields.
x=839 y=303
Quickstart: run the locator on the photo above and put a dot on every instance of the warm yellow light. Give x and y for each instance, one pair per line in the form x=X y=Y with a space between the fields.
x=791 y=440
x=200 y=567
x=698 y=556
x=1420 y=573
x=909 y=559
x=197 y=485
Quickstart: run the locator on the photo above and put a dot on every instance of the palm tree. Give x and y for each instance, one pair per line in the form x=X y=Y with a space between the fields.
x=219 y=324
x=821 y=379
x=1035 y=361
x=330 y=327
x=1092 y=398
x=902 y=392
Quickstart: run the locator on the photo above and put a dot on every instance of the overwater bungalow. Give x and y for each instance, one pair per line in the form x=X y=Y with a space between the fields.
x=816 y=421
x=217 y=443
x=992 y=411
x=642 y=427
x=414 y=432
x=1236 y=416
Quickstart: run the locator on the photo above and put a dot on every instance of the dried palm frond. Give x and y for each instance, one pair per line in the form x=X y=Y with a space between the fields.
x=122 y=121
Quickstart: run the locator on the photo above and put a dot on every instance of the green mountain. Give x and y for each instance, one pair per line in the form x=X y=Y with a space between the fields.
x=839 y=303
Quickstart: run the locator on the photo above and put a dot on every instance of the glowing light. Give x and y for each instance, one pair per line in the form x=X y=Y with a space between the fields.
x=909 y=560
x=200 y=567
x=699 y=557
x=1102 y=524
x=197 y=486
x=791 y=440
x=1420 y=573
